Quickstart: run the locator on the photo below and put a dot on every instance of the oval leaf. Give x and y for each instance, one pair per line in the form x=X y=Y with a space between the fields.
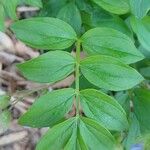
x=110 y=42
x=114 y=6
x=49 y=67
x=44 y=33
x=142 y=30
x=57 y=137
x=109 y=73
x=63 y=136
x=95 y=136
x=49 y=108
x=104 y=109
x=140 y=8
x=77 y=133
x=70 y=14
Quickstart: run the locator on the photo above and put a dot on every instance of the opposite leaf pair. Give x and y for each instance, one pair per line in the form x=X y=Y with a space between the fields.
x=78 y=133
x=52 y=33
x=103 y=71
x=53 y=106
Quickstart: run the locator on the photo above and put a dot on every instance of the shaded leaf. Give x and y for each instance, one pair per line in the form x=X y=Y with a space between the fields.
x=140 y=8
x=97 y=17
x=141 y=108
x=84 y=5
x=70 y=14
x=133 y=134
x=114 y=6
x=84 y=83
x=124 y=100
x=51 y=7
x=144 y=51
x=143 y=67
x=145 y=71
x=37 y=3
x=142 y=30
x=49 y=67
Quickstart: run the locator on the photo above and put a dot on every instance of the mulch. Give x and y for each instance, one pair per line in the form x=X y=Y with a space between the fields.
x=13 y=51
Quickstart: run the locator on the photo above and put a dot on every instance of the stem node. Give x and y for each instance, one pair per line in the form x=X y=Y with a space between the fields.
x=77 y=74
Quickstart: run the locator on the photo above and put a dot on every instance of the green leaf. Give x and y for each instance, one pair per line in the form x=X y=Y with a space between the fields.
x=2 y=19
x=4 y=101
x=145 y=71
x=5 y=115
x=57 y=137
x=144 y=51
x=77 y=134
x=49 y=67
x=114 y=6
x=133 y=134
x=97 y=17
x=95 y=136
x=139 y=8
x=142 y=30
x=109 y=73
x=49 y=108
x=144 y=67
x=52 y=7
x=70 y=14
x=5 y=118
x=37 y=3
x=10 y=8
x=84 y=5
x=146 y=141
x=104 y=109
x=84 y=83
x=124 y=100
x=44 y=33
x=141 y=108
x=110 y=42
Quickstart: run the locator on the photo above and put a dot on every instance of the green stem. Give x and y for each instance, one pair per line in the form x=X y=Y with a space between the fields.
x=77 y=74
